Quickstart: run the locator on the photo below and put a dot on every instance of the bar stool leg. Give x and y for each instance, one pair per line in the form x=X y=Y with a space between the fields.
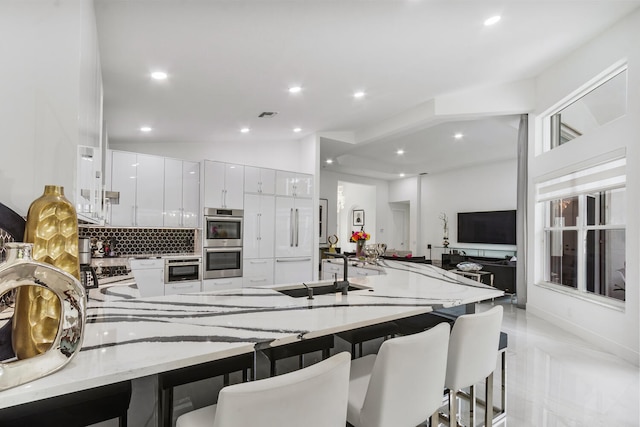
x=472 y=405
x=453 y=408
x=488 y=414
x=434 y=421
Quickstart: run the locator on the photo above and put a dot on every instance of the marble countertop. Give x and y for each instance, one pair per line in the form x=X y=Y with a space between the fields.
x=128 y=337
x=354 y=262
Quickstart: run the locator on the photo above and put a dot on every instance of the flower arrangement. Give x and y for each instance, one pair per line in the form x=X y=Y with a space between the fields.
x=361 y=235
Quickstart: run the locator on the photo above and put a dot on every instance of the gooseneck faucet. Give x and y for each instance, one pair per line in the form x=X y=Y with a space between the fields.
x=342 y=285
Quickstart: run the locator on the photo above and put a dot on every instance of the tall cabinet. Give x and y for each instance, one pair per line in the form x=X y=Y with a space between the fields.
x=294 y=228
x=259 y=227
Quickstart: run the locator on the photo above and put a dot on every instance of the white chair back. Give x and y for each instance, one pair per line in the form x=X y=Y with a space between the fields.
x=315 y=396
x=407 y=379
x=473 y=348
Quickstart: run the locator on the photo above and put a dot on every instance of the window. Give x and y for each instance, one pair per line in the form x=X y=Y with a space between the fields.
x=596 y=104
x=584 y=229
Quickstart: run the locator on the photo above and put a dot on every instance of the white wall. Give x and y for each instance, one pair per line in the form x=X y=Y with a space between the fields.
x=357 y=196
x=49 y=82
x=486 y=187
x=328 y=190
x=614 y=329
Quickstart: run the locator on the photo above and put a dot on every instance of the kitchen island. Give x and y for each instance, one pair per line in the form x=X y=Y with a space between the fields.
x=129 y=338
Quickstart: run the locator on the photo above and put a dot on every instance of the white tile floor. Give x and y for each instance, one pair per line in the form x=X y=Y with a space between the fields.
x=555 y=379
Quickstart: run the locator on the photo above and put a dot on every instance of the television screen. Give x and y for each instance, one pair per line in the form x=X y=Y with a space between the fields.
x=495 y=227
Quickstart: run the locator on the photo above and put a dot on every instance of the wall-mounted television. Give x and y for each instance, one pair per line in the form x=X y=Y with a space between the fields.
x=493 y=227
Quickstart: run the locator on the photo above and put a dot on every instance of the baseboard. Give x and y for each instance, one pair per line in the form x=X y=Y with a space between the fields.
x=600 y=341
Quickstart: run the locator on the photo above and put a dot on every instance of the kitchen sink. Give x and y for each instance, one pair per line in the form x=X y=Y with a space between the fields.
x=301 y=291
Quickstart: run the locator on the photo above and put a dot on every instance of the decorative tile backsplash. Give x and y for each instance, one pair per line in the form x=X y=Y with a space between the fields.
x=143 y=241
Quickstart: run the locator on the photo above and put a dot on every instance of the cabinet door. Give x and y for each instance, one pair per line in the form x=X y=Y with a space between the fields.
x=304 y=186
x=257 y=272
x=285 y=183
x=210 y=285
x=182 y=288
x=150 y=191
x=172 y=192
x=285 y=222
x=304 y=226
x=251 y=179
x=267 y=225
x=251 y=238
x=123 y=180
x=190 y=194
x=331 y=271
x=234 y=186
x=267 y=181
x=292 y=270
x=213 y=184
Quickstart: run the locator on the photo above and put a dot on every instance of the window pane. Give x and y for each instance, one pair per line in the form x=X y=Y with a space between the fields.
x=605 y=266
x=602 y=105
x=563 y=212
x=562 y=252
x=606 y=207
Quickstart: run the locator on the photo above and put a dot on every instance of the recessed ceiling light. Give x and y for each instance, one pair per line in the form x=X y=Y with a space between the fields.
x=402 y=175
x=245 y=130
x=145 y=129
x=297 y=130
x=458 y=135
x=329 y=161
x=295 y=89
x=358 y=95
x=492 y=20
x=159 y=75
x=400 y=152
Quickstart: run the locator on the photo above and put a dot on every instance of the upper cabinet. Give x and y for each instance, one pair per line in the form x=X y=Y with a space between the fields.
x=223 y=185
x=259 y=180
x=294 y=184
x=140 y=180
x=181 y=193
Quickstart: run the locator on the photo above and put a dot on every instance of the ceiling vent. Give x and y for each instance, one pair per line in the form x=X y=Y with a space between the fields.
x=267 y=114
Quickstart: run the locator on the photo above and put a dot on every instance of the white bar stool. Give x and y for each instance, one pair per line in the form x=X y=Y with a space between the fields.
x=315 y=396
x=401 y=385
x=473 y=351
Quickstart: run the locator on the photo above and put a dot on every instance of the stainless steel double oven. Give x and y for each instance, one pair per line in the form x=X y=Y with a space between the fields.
x=222 y=254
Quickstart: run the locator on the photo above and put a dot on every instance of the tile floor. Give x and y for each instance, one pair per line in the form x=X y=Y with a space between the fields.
x=556 y=379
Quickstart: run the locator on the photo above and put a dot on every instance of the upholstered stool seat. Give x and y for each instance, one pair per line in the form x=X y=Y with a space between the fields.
x=401 y=385
x=315 y=396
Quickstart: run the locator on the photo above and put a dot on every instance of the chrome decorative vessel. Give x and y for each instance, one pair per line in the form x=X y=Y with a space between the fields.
x=19 y=271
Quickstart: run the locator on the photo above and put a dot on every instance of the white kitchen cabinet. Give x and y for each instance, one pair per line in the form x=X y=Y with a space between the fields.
x=294 y=227
x=210 y=285
x=331 y=271
x=181 y=193
x=257 y=272
x=259 y=226
x=182 y=287
x=139 y=179
x=293 y=270
x=259 y=180
x=223 y=185
x=294 y=184
x=149 y=276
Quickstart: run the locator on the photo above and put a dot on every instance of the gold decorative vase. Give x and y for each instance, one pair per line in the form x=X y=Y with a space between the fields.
x=52 y=227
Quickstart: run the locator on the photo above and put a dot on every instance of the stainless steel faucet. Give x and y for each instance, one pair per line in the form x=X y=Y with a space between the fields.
x=342 y=285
